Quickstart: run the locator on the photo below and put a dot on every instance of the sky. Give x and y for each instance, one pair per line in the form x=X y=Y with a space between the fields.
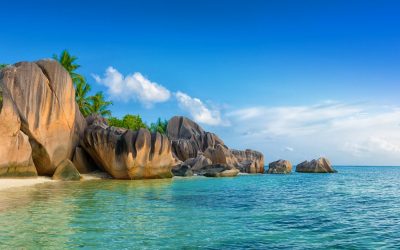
x=293 y=79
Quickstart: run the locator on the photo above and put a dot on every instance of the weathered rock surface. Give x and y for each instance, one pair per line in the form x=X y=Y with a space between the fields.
x=127 y=154
x=66 y=171
x=250 y=161
x=182 y=170
x=280 y=167
x=15 y=149
x=83 y=162
x=219 y=170
x=190 y=141
x=321 y=165
x=42 y=95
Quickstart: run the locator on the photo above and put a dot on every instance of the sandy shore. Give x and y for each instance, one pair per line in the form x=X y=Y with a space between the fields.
x=22 y=182
x=6 y=183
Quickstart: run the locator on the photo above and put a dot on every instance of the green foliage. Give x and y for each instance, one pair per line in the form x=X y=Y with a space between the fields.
x=3 y=66
x=68 y=62
x=133 y=122
x=87 y=104
x=98 y=105
x=81 y=96
x=159 y=126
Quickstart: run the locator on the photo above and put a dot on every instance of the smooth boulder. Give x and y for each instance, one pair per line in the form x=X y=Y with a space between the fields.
x=280 y=167
x=66 y=171
x=43 y=96
x=321 y=165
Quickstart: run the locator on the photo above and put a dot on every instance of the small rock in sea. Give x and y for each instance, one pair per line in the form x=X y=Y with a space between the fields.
x=321 y=165
x=280 y=167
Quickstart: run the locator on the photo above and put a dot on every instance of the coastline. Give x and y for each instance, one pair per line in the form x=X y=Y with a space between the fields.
x=8 y=183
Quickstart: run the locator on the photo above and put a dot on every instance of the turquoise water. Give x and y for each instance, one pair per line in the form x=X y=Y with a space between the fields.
x=358 y=208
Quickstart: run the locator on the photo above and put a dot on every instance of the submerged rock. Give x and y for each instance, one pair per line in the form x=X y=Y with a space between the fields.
x=127 y=154
x=66 y=171
x=321 y=165
x=280 y=167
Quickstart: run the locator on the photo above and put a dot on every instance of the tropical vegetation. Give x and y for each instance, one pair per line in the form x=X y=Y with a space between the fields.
x=97 y=104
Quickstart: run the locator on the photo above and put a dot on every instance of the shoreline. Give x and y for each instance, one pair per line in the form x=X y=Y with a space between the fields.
x=8 y=183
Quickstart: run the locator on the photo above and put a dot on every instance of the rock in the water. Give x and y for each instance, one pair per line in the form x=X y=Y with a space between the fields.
x=280 y=167
x=182 y=170
x=188 y=138
x=66 y=171
x=221 y=155
x=127 y=154
x=189 y=141
x=250 y=161
x=44 y=99
x=321 y=165
x=200 y=162
x=219 y=170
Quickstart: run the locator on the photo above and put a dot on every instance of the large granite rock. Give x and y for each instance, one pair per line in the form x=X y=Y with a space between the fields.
x=250 y=161
x=66 y=171
x=280 y=167
x=15 y=149
x=188 y=138
x=190 y=141
x=42 y=95
x=321 y=165
x=127 y=154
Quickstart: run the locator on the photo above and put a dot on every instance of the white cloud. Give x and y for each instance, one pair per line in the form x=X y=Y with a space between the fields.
x=132 y=87
x=290 y=149
x=346 y=133
x=198 y=110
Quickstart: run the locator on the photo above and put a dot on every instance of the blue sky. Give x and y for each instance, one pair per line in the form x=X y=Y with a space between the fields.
x=293 y=79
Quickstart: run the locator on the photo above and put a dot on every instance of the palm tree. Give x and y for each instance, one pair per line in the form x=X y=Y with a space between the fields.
x=83 y=101
x=68 y=62
x=98 y=105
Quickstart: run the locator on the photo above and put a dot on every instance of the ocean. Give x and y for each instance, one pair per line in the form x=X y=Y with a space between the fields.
x=357 y=208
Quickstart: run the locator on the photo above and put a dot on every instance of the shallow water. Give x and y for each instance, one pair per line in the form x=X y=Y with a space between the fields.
x=358 y=208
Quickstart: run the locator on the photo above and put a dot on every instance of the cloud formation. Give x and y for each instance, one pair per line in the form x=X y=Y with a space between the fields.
x=198 y=110
x=349 y=133
x=132 y=87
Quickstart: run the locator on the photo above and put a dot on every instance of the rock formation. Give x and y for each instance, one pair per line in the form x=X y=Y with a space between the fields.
x=321 y=165
x=127 y=154
x=66 y=171
x=251 y=161
x=200 y=148
x=280 y=167
x=39 y=114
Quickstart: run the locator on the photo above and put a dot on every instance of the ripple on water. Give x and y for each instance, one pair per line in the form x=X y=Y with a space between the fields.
x=358 y=208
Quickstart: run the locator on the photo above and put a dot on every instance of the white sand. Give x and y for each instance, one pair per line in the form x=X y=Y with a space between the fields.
x=22 y=182
x=6 y=183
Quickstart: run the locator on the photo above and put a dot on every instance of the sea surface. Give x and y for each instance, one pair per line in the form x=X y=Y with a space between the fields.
x=357 y=208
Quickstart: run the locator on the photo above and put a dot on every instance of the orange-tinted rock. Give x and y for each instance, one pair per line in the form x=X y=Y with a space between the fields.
x=280 y=167
x=15 y=150
x=44 y=98
x=321 y=165
x=127 y=154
